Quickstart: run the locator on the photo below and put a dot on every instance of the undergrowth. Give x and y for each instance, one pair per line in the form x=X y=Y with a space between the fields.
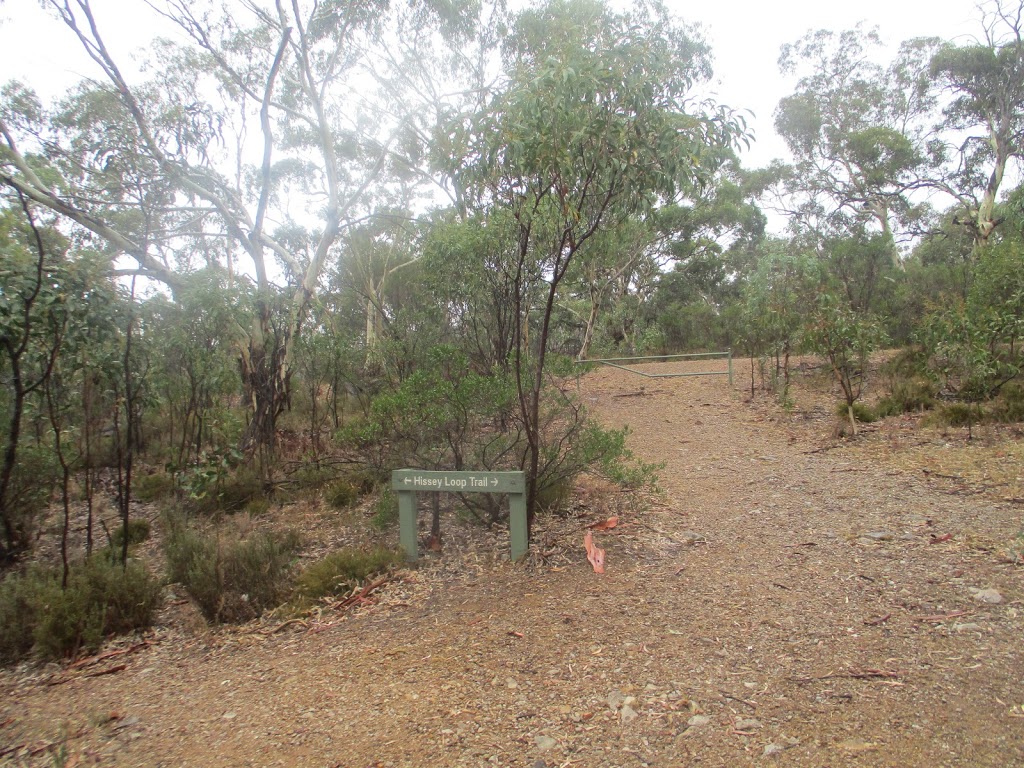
x=102 y=598
x=341 y=570
x=232 y=578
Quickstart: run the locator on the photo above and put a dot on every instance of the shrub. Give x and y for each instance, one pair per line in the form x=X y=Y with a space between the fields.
x=309 y=478
x=907 y=396
x=257 y=506
x=101 y=599
x=154 y=487
x=862 y=412
x=342 y=494
x=385 y=510
x=219 y=482
x=21 y=598
x=232 y=579
x=341 y=570
x=239 y=490
x=552 y=497
x=1008 y=408
x=32 y=481
x=960 y=414
x=138 y=532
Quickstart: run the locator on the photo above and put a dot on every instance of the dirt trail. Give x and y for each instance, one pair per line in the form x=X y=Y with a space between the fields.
x=785 y=605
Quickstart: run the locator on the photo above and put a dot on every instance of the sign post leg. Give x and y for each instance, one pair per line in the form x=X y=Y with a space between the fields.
x=407 y=524
x=517 y=525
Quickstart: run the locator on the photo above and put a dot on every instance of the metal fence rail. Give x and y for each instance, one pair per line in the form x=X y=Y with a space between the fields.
x=613 y=362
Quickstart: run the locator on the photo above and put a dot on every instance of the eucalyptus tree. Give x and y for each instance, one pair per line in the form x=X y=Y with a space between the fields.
x=598 y=123
x=31 y=332
x=858 y=132
x=984 y=81
x=174 y=163
x=776 y=295
x=466 y=266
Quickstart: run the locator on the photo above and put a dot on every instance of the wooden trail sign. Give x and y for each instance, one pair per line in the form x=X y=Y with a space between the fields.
x=408 y=482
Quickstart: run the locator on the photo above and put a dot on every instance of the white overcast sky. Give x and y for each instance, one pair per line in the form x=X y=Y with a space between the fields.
x=745 y=36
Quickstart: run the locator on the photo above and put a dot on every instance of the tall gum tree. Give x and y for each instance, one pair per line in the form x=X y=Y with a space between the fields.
x=597 y=124
x=857 y=131
x=253 y=130
x=984 y=81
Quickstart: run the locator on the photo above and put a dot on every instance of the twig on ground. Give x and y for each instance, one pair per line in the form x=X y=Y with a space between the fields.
x=282 y=625
x=823 y=449
x=940 y=617
x=98 y=673
x=864 y=674
x=89 y=660
x=879 y=620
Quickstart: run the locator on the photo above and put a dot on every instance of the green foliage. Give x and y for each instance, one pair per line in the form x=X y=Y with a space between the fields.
x=385 y=510
x=553 y=495
x=862 y=412
x=573 y=445
x=232 y=578
x=959 y=349
x=148 y=487
x=996 y=295
x=102 y=598
x=33 y=479
x=219 y=482
x=22 y=600
x=138 y=532
x=855 y=130
x=845 y=339
x=195 y=369
x=342 y=494
x=960 y=414
x=1008 y=407
x=907 y=396
x=444 y=415
x=775 y=297
x=257 y=506
x=341 y=570
x=310 y=477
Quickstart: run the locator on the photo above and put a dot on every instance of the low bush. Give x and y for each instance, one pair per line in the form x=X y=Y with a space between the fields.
x=1008 y=408
x=862 y=412
x=31 y=483
x=231 y=578
x=385 y=510
x=960 y=414
x=138 y=532
x=342 y=494
x=154 y=487
x=341 y=570
x=310 y=478
x=220 y=482
x=21 y=598
x=102 y=598
x=258 y=506
x=907 y=396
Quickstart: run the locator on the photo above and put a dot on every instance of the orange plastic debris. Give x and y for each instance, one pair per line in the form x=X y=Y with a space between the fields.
x=594 y=553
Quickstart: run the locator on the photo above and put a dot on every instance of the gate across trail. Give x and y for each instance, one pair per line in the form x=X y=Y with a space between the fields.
x=614 y=363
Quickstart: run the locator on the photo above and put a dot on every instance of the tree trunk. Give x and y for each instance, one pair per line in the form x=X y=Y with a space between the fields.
x=266 y=377
x=588 y=335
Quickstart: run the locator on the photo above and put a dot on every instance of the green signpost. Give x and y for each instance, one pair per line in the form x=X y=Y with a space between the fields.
x=407 y=482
